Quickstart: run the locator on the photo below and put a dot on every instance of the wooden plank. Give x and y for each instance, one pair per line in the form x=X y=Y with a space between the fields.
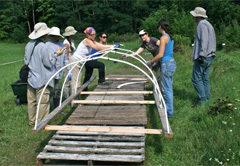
x=94 y=157
x=115 y=92
x=112 y=102
x=98 y=138
x=57 y=110
x=101 y=133
x=126 y=79
x=81 y=121
x=166 y=128
x=92 y=150
x=103 y=129
x=97 y=144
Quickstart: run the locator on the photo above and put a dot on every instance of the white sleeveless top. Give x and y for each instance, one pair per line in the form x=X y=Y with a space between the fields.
x=82 y=51
x=72 y=44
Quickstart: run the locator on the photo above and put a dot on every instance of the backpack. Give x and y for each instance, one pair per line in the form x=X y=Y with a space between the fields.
x=23 y=73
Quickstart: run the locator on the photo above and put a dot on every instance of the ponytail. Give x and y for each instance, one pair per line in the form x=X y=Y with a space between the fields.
x=165 y=25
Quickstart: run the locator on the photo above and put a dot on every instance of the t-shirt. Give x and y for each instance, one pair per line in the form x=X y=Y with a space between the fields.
x=151 y=46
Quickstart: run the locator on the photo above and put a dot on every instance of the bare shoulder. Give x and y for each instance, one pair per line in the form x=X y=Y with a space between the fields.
x=164 y=39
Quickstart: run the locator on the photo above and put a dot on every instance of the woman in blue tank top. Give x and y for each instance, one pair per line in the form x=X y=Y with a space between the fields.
x=168 y=64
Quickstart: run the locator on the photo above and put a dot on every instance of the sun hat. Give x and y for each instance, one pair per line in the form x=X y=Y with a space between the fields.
x=40 y=29
x=69 y=31
x=199 y=12
x=142 y=32
x=55 y=32
x=89 y=30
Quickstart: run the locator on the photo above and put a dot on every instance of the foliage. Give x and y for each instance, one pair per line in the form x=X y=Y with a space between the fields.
x=121 y=17
x=128 y=37
x=221 y=107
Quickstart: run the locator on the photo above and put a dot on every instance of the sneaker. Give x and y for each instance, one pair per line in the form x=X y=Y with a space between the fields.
x=103 y=83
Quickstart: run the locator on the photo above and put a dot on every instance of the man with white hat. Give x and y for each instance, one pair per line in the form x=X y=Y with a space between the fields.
x=39 y=59
x=203 y=54
x=152 y=45
x=54 y=44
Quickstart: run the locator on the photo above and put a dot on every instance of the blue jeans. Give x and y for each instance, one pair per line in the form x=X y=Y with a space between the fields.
x=200 y=78
x=167 y=70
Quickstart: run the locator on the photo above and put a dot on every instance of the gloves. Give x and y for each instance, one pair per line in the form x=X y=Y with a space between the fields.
x=149 y=63
x=70 y=76
x=116 y=45
x=60 y=51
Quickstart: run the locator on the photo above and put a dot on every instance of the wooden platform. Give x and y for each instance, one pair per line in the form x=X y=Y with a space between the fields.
x=94 y=147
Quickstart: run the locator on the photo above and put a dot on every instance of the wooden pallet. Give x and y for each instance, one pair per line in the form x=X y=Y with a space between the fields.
x=78 y=146
x=95 y=146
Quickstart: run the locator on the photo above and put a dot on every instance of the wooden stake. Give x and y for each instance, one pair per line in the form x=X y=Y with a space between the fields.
x=131 y=79
x=115 y=92
x=112 y=102
x=103 y=129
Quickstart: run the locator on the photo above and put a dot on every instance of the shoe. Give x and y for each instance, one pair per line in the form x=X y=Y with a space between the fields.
x=103 y=83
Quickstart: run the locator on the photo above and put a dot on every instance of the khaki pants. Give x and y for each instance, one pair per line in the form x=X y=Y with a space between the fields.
x=75 y=72
x=67 y=91
x=33 y=96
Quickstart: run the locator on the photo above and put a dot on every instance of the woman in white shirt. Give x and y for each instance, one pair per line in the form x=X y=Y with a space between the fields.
x=83 y=50
x=70 y=49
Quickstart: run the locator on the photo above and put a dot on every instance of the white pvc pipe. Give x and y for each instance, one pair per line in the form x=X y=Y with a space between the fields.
x=111 y=59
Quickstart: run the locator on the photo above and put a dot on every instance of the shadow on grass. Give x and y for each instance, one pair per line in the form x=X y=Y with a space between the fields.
x=184 y=95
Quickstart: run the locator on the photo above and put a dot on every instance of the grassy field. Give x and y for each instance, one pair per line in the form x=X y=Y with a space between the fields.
x=200 y=138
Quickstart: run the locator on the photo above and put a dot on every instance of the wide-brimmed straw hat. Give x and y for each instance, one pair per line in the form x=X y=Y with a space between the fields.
x=69 y=31
x=199 y=12
x=40 y=29
x=55 y=32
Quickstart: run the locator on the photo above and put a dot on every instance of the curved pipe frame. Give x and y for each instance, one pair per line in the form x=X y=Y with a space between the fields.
x=105 y=52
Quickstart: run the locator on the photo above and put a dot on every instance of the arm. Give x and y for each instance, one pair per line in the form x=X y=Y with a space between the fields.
x=67 y=50
x=202 y=33
x=164 y=40
x=138 y=51
x=95 y=45
x=158 y=43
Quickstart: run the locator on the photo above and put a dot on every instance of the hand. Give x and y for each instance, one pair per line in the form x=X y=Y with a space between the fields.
x=70 y=76
x=116 y=45
x=124 y=56
x=149 y=63
x=60 y=51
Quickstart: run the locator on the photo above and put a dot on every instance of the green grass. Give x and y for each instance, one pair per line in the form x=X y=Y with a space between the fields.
x=199 y=138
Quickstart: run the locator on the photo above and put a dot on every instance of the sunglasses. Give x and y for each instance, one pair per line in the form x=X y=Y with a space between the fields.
x=104 y=37
x=92 y=34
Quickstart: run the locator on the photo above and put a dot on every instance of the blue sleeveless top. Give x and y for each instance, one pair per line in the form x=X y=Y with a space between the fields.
x=168 y=53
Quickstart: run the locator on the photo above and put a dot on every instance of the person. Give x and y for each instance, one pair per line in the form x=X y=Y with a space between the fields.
x=168 y=64
x=152 y=45
x=54 y=44
x=70 y=49
x=90 y=65
x=203 y=54
x=39 y=59
x=82 y=52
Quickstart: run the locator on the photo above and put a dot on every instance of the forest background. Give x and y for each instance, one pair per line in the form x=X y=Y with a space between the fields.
x=122 y=19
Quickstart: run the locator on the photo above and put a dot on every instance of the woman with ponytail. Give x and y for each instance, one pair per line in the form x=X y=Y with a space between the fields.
x=168 y=64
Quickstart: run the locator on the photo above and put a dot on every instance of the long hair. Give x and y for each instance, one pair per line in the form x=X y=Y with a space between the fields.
x=165 y=25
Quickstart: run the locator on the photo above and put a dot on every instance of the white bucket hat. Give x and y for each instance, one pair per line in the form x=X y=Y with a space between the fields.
x=55 y=32
x=40 y=29
x=142 y=32
x=69 y=31
x=199 y=12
